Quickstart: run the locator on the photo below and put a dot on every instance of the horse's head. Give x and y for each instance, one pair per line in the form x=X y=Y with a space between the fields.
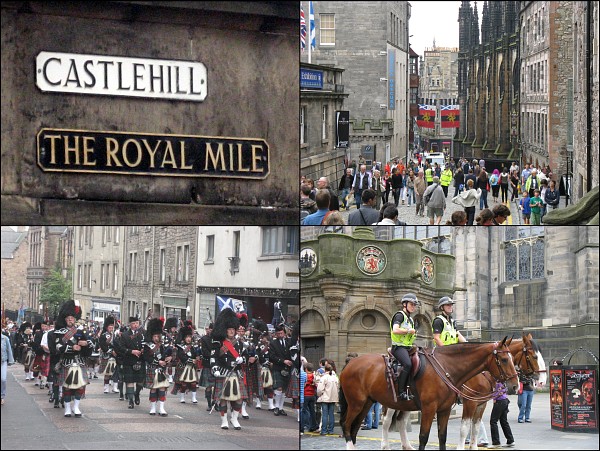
x=503 y=368
x=534 y=361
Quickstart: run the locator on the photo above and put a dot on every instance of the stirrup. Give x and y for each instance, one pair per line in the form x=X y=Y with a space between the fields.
x=405 y=395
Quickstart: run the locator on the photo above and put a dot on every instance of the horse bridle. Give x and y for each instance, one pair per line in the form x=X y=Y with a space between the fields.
x=525 y=353
x=503 y=376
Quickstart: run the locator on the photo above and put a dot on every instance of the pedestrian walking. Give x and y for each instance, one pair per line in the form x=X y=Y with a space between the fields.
x=327 y=390
x=500 y=413
x=526 y=391
x=7 y=360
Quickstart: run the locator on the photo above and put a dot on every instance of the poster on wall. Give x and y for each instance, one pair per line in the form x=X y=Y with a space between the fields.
x=580 y=392
x=556 y=399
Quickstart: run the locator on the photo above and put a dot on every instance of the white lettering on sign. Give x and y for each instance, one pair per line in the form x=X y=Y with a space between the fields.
x=119 y=76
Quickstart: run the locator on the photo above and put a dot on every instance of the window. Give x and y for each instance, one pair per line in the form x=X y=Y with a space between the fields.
x=210 y=248
x=147 y=268
x=89 y=276
x=117 y=235
x=436 y=238
x=107 y=277
x=79 y=277
x=524 y=253
x=162 y=265
x=183 y=263
x=81 y=235
x=132 y=266
x=236 y=243
x=102 y=276
x=104 y=228
x=280 y=240
x=327 y=32
x=303 y=126
x=115 y=276
x=325 y=122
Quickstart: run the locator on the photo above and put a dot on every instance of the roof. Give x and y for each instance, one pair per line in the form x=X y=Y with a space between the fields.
x=11 y=241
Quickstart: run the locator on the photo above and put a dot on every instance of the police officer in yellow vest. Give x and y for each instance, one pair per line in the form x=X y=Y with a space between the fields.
x=446 y=179
x=402 y=329
x=429 y=174
x=444 y=327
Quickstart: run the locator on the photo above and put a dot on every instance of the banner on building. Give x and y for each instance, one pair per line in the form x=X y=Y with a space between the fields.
x=236 y=305
x=342 y=129
x=449 y=116
x=391 y=79
x=426 y=117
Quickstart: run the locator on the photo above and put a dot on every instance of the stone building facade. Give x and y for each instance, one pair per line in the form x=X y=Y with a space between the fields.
x=160 y=272
x=15 y=259
x=375 y=60
x=319 y=156
x=488 y=80
x=345 y=309
x=586 y=67
x=98 y=270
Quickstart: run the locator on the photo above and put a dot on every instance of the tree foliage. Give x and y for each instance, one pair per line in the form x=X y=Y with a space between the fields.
x=55 y=290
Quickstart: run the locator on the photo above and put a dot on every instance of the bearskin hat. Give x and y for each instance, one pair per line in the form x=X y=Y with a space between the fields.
x=133 y=318
x=243 y=318
x=23 y=327
x=37 y=326
x=109 y=320
x=259 y=327
x=185 y=331
x=155 y=326
x=225 y=320
x=69 y=308
x=170 y=323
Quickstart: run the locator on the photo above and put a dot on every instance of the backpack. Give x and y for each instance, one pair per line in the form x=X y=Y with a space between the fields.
x=428 y=197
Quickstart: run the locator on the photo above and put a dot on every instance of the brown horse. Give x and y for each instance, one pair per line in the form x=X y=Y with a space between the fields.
x=363 y=382
x=528 y=359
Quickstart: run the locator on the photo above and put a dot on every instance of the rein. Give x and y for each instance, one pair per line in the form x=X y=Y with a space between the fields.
x=473 y=395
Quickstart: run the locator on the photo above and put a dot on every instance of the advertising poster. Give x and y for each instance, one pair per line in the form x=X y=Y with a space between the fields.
x=556 y=399
x=580 y=392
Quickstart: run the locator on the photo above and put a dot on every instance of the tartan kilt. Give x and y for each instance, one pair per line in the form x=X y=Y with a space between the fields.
x=206 y=378
x=279 y=381
x=149 y=381
x=252 y=378
x=130 y=376
x=41 y=364
x=293 y=389
x=103 y=364
x=64 y=370
x=220 y=382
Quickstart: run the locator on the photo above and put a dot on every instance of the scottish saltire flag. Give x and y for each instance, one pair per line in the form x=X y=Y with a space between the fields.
x=234 y=304
x=311 y=19
x=302 y=30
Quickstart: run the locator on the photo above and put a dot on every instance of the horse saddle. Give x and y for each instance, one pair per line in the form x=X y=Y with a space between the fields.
x=395 y=367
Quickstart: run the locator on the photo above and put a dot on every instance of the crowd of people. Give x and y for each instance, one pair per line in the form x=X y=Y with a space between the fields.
x=378 y=193
x=239 y=364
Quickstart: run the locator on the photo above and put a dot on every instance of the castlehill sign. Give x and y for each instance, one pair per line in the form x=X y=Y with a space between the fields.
x=63 y=150
x=120 y=76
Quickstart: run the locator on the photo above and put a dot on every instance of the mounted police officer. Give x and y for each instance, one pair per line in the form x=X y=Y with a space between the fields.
x=403 y=333
x=444 y=327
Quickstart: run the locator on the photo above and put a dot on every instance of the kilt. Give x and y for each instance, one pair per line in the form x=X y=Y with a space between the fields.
x=206 y=378
x=28 y=358
x=92 y=361
x=103 y=364
x=261 y=386
x=41 y=363
x=149 y=381
x=130 y=376
x=279 y=381
x=64 y=370
x=293 y=389
x=252 y=378
x=220 y=382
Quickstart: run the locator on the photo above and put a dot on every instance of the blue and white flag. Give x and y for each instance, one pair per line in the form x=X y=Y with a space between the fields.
x=311 y=20
x=234 y=304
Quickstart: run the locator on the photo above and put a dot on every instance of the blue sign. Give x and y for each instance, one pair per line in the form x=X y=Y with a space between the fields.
x=311 y=79
x=391 y=79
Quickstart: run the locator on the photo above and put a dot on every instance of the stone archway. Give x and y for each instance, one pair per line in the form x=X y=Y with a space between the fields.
x=368 y=332
x=424 y=331
x=313 y=331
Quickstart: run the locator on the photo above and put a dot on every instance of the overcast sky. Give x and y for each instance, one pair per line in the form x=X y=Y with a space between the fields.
x=437 y=20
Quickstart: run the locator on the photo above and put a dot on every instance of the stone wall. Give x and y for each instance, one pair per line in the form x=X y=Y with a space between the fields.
x=14 y=277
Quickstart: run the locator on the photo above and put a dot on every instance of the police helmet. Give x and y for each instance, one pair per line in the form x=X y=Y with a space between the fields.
x=411 y=297
x=445 y=300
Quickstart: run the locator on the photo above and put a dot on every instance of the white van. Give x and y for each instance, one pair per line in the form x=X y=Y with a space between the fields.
x=435 y=157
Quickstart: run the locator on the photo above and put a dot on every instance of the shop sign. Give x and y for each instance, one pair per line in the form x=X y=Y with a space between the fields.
x=132 y=153
x=120 y=76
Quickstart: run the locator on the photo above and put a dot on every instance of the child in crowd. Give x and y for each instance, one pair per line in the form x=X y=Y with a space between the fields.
x=525 y=207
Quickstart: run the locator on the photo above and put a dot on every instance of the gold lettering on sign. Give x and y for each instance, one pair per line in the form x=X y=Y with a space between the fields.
x=150 y=151
x=112 y=147
x=241 y=167
x=215 y=160
x=87 y=150
x=182 y=153
x=169 y=151
x=139 y=153
x=255 y=157
x=53 y=147
x=68 y=149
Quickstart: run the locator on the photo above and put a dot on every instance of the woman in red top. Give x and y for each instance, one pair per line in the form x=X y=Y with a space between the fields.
x=310 y=396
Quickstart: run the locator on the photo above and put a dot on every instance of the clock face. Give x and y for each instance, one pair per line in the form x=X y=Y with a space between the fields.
x=427 y=270
x=308 y=261
x=371 y=260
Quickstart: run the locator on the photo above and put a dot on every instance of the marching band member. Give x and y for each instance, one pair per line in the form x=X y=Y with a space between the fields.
x=266 y=377
x=243 y=344
x=157 y=357
x=169 y=335
x=293 y=389
x=73 y=345
x=279 y=354
x=186 y=376
x=254 y=368
x=225 y=359
x=129 y=346
x=108 y=363
x=207 y=379
x=41 y=363
x=24 y=346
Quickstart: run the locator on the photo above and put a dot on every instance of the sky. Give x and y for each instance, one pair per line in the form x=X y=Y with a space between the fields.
x=437 y=20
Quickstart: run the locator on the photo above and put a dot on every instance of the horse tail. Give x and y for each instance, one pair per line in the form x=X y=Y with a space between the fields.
x=343 y=409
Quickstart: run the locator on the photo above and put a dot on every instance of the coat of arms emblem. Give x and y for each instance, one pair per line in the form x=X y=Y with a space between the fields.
x=371 y=260
x=427 y=273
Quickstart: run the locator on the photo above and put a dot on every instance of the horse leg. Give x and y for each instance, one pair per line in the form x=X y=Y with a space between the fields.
x=465 y=425
x=401 y=422
x=385 y=427
x=359 y=419
x=476 y=424
x=354 y=420
x=442 y=421
x=427 y=415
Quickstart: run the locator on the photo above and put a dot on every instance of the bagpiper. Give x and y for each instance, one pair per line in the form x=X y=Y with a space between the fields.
x=129 y=346
x=253 y=369
x=207 y=380
x=157 y=357
x=293 y=389
x=41 y=363
x=225 y=361
x=279 y=353
x=169 y=335
x=108 y=362
x=72 y=344
x=24 y=346
x=266 y=377
x=186 y=376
